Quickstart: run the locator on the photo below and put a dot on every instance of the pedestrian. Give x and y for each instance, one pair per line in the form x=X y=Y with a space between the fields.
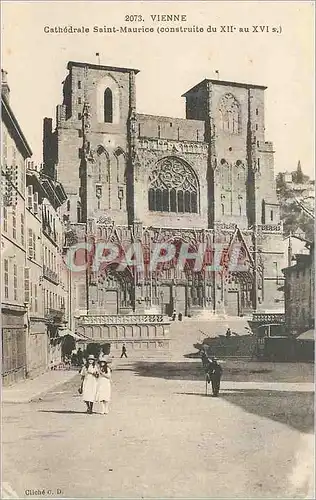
x=89 y=375
x=123 y=351
x=180 y=316
x=174 y=315
x=74 y=359
x=103 y=394
x=228 y=333
x=215 y=373
x=79 y=357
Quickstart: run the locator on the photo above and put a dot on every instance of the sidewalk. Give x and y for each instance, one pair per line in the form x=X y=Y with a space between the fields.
x=29 y=389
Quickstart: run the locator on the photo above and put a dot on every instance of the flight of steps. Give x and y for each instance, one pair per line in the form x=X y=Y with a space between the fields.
x=184 y=334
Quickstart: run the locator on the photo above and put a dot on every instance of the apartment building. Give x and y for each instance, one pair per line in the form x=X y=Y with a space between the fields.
x=15 y=152
x=47 y=275
x=34 y=280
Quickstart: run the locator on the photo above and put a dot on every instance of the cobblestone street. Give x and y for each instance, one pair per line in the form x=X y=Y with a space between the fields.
x=164 y=438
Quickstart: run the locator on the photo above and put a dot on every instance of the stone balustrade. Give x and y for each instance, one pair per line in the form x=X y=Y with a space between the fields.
x=140 y=332
x=128 y=319
x=271 y=317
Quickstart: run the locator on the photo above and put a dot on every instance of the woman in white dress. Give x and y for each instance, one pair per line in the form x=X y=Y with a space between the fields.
x=103 y=395
x=89 y=375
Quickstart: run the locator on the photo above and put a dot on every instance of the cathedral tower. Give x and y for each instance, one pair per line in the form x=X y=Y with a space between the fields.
x=92 y=141
x=241 y=172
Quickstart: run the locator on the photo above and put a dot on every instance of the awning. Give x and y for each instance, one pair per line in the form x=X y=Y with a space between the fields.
x=308 y=335
x=66 y=331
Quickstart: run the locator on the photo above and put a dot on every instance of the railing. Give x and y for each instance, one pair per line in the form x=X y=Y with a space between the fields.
x=262 y=317
x=75 y=233
x=225 y=225
x=50 y=275
x=131 y=319
x=50 y=233
x=191 y=146
x=270 y=227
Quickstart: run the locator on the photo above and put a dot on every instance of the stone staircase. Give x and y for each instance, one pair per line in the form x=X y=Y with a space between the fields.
x=184 y=334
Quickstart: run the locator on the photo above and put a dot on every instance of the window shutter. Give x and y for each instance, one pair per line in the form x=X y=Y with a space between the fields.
x=35 y=200
x=30 y=245
x=34 y=246
x=30 y=295
x=27 y=284
x=35 y=299
x=30 y=197
x=6 y=278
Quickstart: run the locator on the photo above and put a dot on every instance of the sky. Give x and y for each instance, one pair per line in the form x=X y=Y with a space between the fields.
x=169 y=63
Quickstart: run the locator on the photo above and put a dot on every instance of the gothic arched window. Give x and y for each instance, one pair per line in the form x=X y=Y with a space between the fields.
x=173 y=187
x=108 y=106
x=120 y=166
x=229 y=114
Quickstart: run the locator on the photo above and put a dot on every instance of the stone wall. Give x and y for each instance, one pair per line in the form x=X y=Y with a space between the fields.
x=137 y=332
x=299 y=294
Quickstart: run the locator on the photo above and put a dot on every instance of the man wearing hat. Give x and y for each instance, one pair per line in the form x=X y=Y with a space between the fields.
x=214 y=374
x=89 y=375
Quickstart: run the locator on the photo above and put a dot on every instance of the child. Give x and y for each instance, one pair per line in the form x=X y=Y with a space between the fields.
x=103 y=394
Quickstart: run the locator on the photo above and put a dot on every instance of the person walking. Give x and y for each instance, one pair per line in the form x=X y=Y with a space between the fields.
x=89 y=375
x=123 y=354
x=103 y=394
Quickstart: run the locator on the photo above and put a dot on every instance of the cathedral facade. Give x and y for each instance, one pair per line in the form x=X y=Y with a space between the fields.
x=130 y=177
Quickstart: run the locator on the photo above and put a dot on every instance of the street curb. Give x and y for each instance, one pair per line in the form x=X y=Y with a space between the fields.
x=35 y=396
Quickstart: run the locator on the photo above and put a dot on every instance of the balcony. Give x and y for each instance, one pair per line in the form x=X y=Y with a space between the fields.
x=75 y=233
x=50 y=275
x=49 y=232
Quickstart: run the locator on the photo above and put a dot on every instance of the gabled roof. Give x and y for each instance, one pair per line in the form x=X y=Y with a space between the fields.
x=13 y=126
x=223 y=82
x=237 y=235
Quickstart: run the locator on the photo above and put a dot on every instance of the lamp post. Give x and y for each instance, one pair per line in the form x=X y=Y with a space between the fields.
x=255 y=258
x=189 y=289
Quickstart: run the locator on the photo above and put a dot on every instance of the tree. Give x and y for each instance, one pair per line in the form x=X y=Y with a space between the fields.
x=281 y=186
x=292 y=215
x=93 y=348
x=106 y=348
x=68 y=345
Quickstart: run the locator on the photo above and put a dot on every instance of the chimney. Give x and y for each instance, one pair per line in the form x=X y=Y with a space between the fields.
x=5 y=89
